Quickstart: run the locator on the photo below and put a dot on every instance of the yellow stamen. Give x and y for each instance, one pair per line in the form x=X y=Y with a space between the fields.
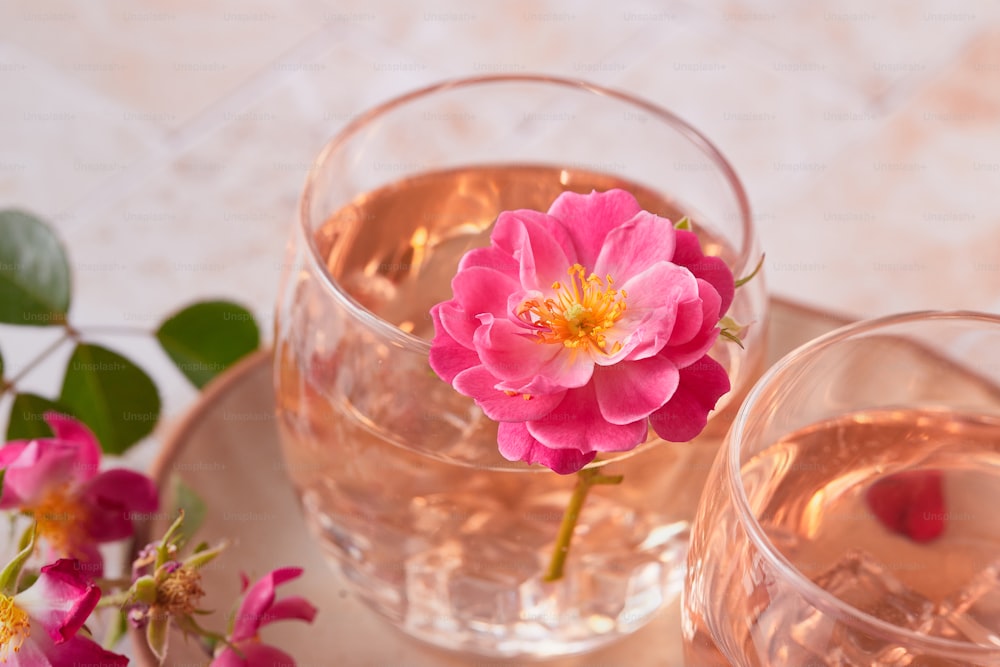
x=579 y=315
x=14 y=627
x=61 y=521
x=180 y=592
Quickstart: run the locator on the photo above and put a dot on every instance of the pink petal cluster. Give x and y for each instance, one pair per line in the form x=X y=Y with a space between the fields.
x=75 y=506
x=579 y=328
x=259 y=607
x=39 y=625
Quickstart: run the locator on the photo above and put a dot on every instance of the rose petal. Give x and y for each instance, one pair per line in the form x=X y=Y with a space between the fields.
x=490 y=258
x=255 y=654
x=577 y=423
x=632 y=390
x=686 y=413
x=69 y=430
x=477 y=290
x=517 y=444
x=635 y=246
x=89 y=560
x=112 y=497
x=61 y=599
x=650 y=311
x=537 y=243
x=689 y=321
x=41 y=651
x=714 y=270
x=448 y=357
x=293 y=608
x=589 y=218
x=33 y=469
x=513 y=356
x=258 y=601
x=480 y=384
x=694 y=349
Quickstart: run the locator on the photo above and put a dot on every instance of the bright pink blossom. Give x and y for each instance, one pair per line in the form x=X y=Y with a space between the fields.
x=580 y=328
x=75 y=507
x=259 y=608
x=38 y=626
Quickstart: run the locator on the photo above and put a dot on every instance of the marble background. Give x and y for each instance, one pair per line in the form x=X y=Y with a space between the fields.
x=168 y=140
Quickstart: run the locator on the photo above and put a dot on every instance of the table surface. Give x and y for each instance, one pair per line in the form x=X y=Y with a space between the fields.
x=168 y=141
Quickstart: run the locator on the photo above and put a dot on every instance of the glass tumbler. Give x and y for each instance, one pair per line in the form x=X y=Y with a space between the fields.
x=399 y=476
x=851 y=518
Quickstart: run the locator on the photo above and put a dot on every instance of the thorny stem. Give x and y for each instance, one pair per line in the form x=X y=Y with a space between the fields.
x=585 y=479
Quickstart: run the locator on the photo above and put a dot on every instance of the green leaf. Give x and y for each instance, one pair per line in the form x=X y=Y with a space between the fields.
x=207 y=338
x=27 y=417
x=731 y=337
x=12 y=572
x=156 y=635
x=201 y=558
x=191 y=505
x=110 y=394
x=168 y=540
x=684 y=224
x=34 y=272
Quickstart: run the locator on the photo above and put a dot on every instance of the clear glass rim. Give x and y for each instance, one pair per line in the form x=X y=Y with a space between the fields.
x=406 y=340
x=813 y=593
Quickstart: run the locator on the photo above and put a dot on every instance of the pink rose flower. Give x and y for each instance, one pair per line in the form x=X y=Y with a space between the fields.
x=579 y=329
x=75 y=507
x=38 y=626
x=259 y=608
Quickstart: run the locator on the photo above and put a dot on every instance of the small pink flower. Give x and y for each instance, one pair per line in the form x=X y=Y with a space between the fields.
x=257 y=610
x=38 y=626
x=75 y=508
x=580 y=328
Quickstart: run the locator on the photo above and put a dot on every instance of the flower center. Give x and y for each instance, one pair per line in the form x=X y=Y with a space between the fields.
x=180 y=592
x=579 y=315
x=61 y=521
x=14 y=627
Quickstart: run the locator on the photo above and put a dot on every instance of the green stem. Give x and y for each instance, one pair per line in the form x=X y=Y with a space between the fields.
x=112 y=329
x=11 y=384
x=113 y=599
x=585 y=479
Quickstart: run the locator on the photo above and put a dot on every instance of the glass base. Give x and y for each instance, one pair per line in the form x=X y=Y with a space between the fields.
x=480 y=591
